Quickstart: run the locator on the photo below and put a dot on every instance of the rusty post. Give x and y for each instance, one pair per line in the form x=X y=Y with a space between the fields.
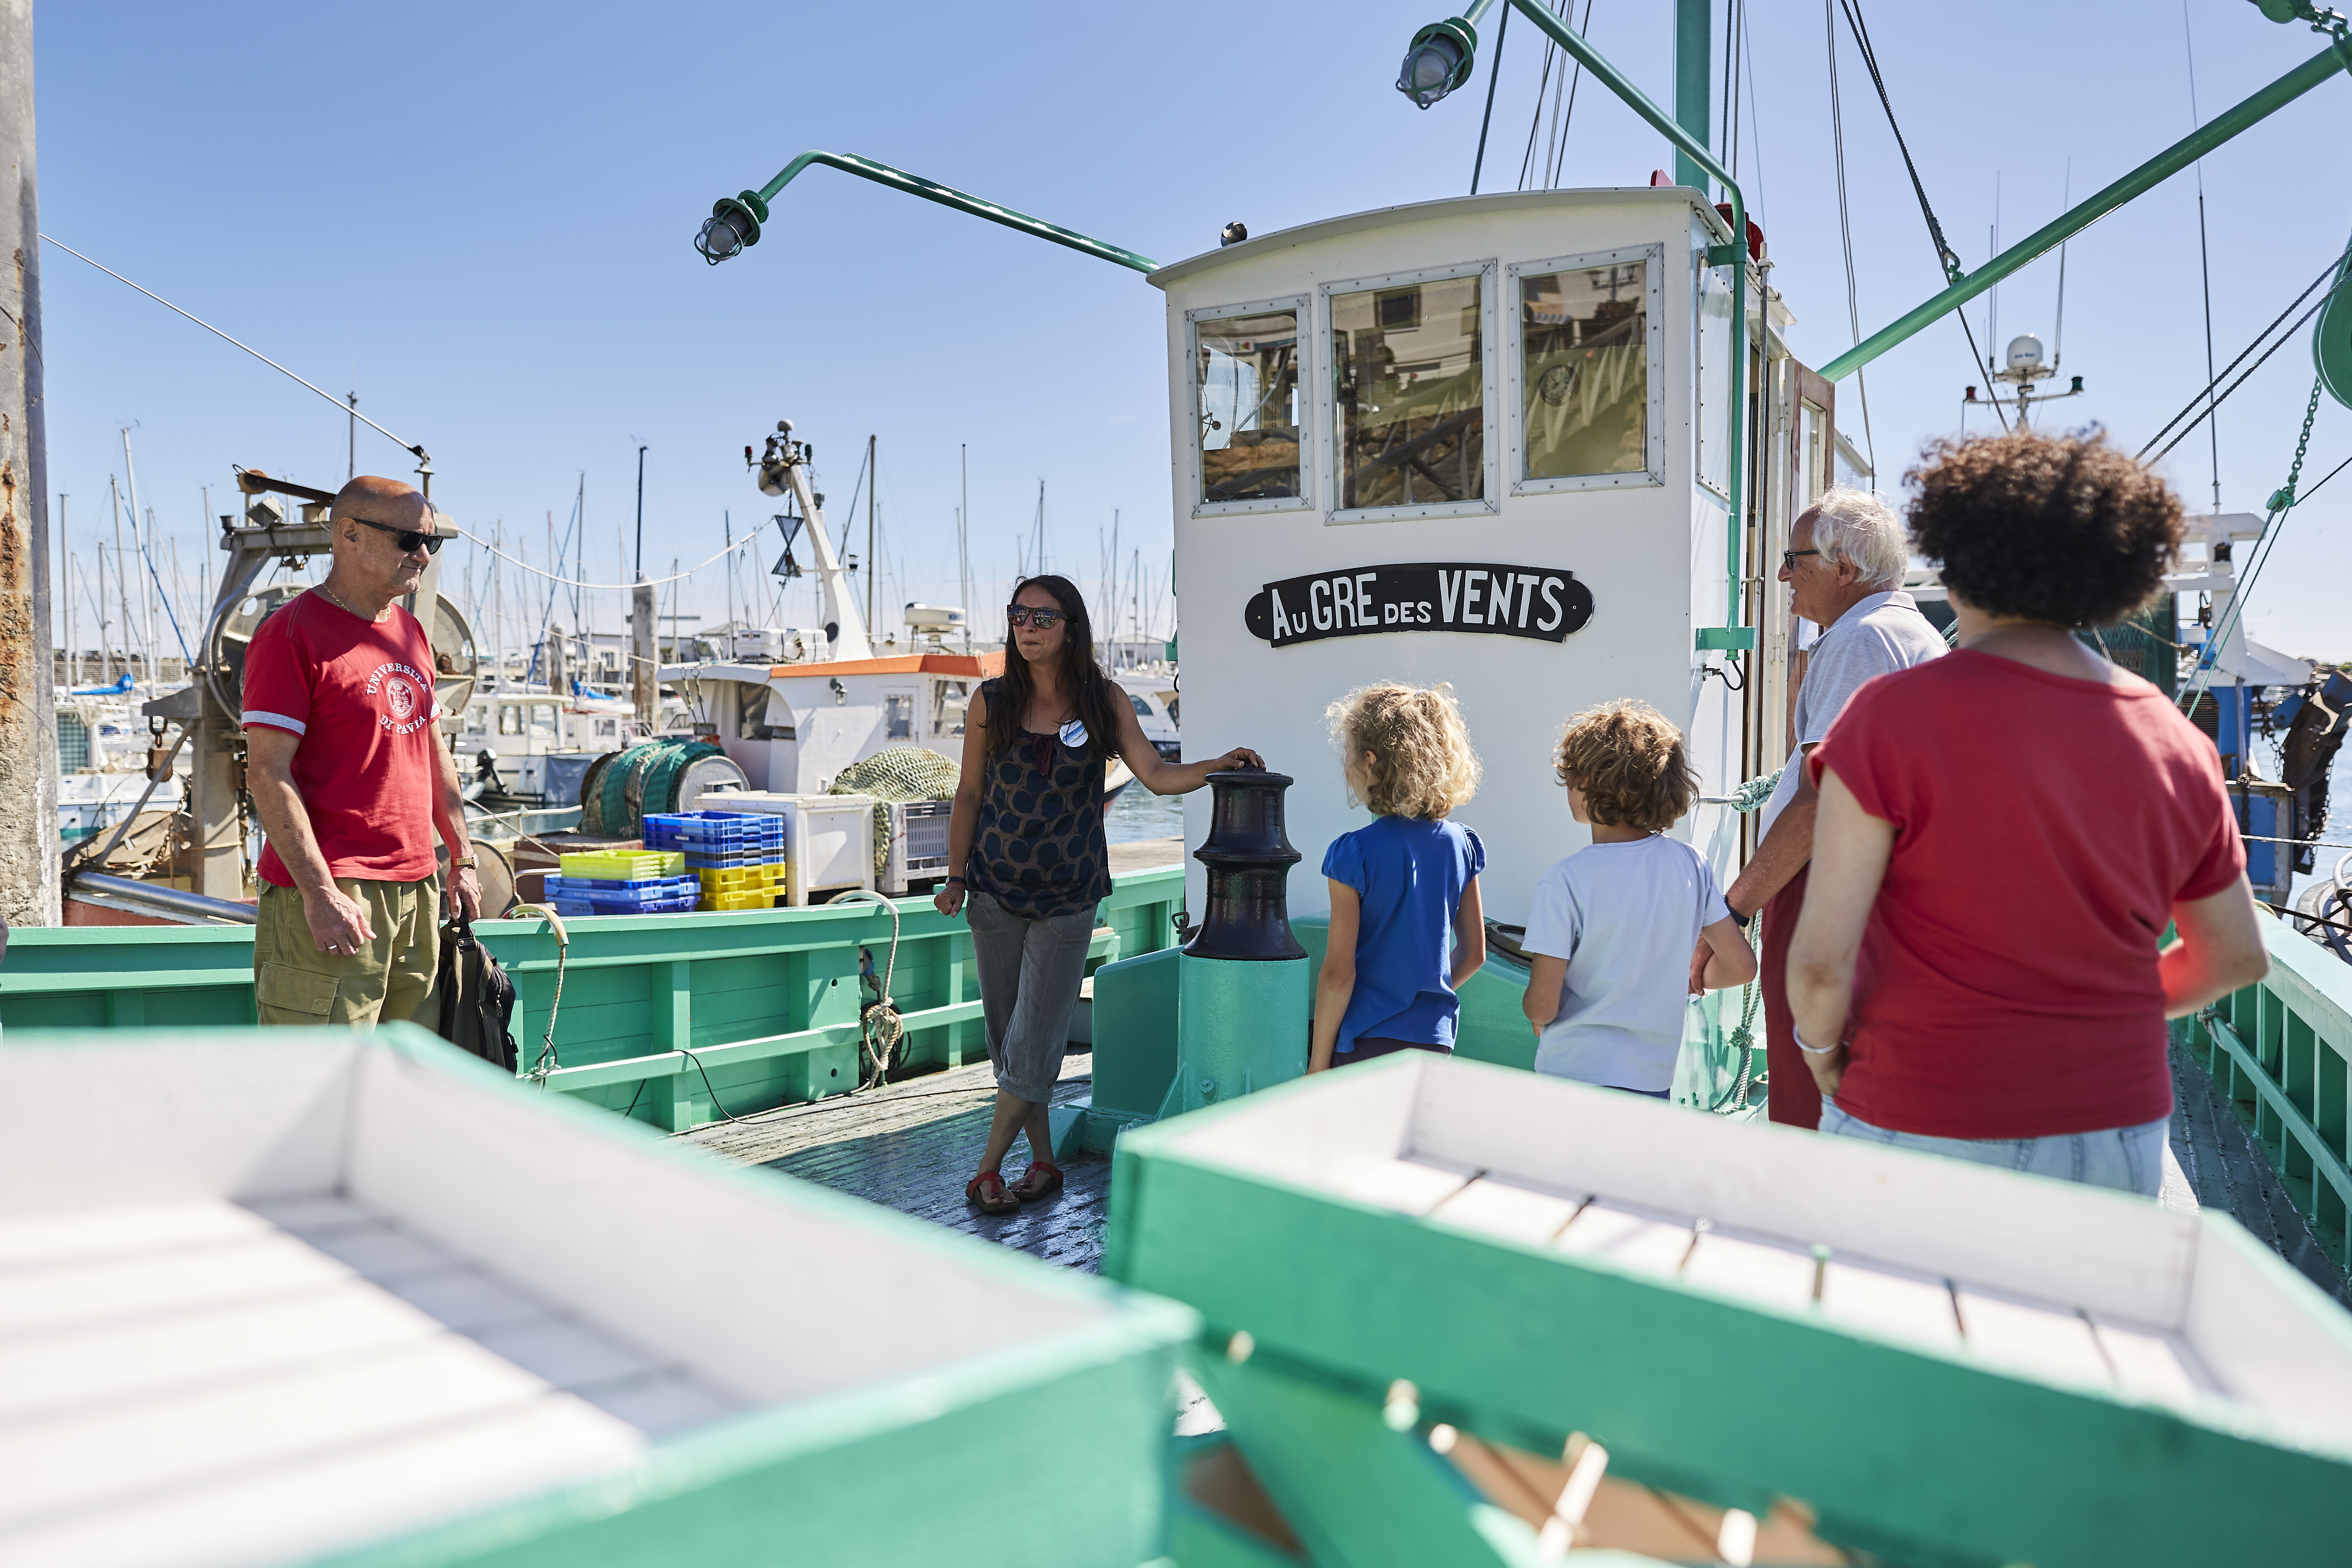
x=28 y=742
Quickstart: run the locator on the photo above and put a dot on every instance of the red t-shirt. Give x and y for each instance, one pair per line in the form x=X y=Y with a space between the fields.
x=360 y=696
x=2044 y=828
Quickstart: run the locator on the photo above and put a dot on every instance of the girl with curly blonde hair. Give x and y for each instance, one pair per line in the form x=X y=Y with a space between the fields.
x=1401 y=886
x=1612 y=929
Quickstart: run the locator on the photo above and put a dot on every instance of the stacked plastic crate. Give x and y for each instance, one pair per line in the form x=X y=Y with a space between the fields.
x=628 y=882
x=736 y=856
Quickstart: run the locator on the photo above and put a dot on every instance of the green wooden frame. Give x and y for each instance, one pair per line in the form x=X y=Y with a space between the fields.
x=1915 y=1456
x=665 y=1018
x=2280 y=1049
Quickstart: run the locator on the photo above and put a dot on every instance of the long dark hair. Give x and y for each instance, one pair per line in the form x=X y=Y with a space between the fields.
x=1090 y=690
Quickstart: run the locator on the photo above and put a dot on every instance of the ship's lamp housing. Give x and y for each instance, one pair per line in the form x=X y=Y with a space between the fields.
x=733 y=224
x=1438 y=62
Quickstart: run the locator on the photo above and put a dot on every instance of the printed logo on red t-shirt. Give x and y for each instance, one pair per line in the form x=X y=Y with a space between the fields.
x=399 y=688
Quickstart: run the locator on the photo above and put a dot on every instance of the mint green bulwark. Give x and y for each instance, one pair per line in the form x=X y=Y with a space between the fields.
x=1239 y=1026
x=2282 y=1051
x=1135 y=1036
x=766 y=1002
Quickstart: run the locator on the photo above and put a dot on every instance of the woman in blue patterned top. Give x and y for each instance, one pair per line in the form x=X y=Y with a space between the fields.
x=1027 y=840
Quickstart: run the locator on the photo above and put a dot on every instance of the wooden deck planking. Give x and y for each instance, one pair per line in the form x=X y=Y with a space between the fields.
x=2230 y=1172
x=912 y=1147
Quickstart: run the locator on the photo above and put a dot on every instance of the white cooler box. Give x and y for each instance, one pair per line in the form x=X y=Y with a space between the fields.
x=919 y=845
x=828 y=838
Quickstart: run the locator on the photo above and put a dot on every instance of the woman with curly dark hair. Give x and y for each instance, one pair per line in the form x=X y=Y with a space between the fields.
x=2006 y=833
x=1026 y=842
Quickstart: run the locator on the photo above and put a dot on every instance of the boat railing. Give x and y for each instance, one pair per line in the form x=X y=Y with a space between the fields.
x=2280 y=1050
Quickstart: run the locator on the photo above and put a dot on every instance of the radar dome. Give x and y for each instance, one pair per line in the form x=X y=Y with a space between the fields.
x=2025 y=353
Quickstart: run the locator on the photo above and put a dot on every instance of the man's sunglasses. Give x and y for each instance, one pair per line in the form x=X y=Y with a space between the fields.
x=407 y=538
x=1043 y=620
x=1789 y=557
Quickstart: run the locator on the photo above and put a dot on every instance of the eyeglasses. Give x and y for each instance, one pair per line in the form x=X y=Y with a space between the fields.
x=1043 y=620
x=407 y=538
x=1788 y=558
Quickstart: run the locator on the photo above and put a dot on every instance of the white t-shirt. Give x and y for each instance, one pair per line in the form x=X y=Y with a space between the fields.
x=1625 y=917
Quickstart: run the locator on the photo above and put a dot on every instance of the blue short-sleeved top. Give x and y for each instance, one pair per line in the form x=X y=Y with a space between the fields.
x=1410 y=875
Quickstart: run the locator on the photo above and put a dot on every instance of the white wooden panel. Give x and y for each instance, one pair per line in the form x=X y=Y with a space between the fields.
x=197 y=1119
x=162 y=1282
x=2104 y=1251
x=2152 y=1367
x=716 y=1258
x=1889 y=1303
x=248 y=1336
x=1353 y=1119
x=464 y=1299
x=2053 y=1345
x=1403 y=1185
x=379 y=1249
x=1508 y=1212
x=567 y=1354
x=1605 y=1233
x=1770 y=1273
x=121 y=1449
x=326 y=1498
x=2266 y=1333
x=30 y=1240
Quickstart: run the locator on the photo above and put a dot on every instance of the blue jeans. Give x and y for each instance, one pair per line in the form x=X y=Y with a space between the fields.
x=2129 y=1159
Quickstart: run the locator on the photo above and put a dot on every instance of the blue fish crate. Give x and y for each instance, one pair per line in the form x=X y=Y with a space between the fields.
x=728 y=860
x=576 y=909
x=622 y=898
x=713 y=831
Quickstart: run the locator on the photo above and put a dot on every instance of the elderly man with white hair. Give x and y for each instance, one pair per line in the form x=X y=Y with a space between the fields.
x=1844 y=571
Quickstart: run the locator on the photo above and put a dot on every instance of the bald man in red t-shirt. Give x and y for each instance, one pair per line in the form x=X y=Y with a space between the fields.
x=351 y=780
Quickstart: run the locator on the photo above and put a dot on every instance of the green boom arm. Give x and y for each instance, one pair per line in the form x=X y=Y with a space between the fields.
x=755 y=205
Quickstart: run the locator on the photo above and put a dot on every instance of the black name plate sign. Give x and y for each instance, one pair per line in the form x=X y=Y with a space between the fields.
x=1540 y=602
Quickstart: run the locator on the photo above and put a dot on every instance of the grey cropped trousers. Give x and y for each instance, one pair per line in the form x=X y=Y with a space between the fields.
x=1029 y=976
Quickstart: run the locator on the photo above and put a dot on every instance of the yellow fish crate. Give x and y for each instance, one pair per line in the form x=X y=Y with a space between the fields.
x=741 y=878
x=625 y=866
x=743 y=899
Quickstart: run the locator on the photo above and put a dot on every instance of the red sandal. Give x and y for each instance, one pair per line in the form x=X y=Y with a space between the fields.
x=988 y=1193
x=1043 y=1179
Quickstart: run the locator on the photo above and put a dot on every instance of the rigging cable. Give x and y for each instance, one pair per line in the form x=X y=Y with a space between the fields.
x=1558 y=154
x=2204 y=264
x=1845 y=227
x=1493 y=75
x=2204 y=395
x=1945 y=256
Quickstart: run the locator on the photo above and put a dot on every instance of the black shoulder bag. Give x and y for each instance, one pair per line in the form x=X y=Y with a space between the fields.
x=477 y=997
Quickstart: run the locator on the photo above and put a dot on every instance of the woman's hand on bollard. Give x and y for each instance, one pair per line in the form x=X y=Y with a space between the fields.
x=1239 y=757
x=949 y=899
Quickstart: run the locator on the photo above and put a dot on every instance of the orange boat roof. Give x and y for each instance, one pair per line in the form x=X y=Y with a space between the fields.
x=984 y=664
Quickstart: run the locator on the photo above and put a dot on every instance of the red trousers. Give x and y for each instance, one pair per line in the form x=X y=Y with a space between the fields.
x=1795 y=1099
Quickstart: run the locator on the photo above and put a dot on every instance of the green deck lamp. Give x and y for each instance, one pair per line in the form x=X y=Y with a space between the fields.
x=1438 y=62
x=732 y=228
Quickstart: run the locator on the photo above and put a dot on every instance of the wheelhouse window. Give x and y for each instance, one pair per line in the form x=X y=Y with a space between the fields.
x=1584 y=371
x=1245 y=395
x=899 y=716
x=1408 y=369
x=950 y=698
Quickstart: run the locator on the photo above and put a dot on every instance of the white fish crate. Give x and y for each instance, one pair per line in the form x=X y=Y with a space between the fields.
x=285 y=1297
x=1936 y=1360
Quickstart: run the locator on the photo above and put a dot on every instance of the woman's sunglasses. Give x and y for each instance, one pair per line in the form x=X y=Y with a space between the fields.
x=1043 y=620
x=407 y=538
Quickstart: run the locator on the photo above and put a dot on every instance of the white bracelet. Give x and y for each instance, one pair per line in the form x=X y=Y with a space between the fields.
x=1810 y=1050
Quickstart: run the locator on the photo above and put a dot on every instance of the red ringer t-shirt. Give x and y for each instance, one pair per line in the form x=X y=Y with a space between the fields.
x=359 y=694
x=2044 y=829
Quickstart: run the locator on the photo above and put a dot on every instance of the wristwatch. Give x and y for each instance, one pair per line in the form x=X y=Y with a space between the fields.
x=465 y=862
x=1738 y=919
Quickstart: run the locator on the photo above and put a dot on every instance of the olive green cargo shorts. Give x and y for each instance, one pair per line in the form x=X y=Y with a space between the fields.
x=387 y=980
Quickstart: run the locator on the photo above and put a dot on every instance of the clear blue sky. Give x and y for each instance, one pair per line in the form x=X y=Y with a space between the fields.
x=480 y=215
